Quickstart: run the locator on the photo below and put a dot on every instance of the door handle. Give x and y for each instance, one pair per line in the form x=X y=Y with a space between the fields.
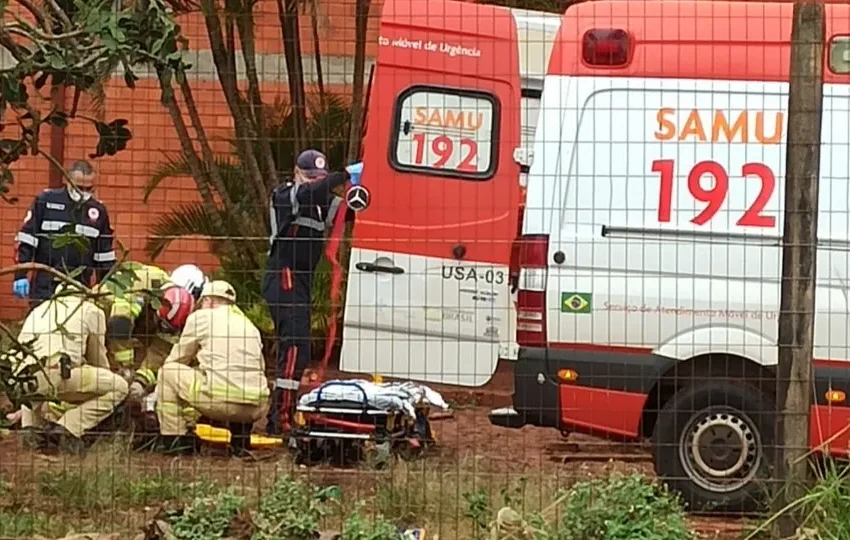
x=372 y=267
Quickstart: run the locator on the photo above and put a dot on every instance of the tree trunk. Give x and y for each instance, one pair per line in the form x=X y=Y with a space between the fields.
x=202 y=180
x=245 y=133
x=356 y=130
x=245 y=23
x=320 y=75
x=290 y=31
x=317 y=51
x=799 y=257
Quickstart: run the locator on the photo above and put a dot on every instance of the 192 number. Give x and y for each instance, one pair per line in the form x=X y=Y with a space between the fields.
x=444 y=148
x=714 y=197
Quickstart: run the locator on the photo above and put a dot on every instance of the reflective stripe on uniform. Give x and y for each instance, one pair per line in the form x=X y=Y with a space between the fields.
x=147 y=375
x=272 y=222
x=121 y=307
x=125 y=358
x=85 y=230
x=229 y=393
x=26 y=238
x=51 y=226
x=107 y=256
x=310 y=223
x=287 y=384
x=332 y=210
x=293 y=199
x=61 y=407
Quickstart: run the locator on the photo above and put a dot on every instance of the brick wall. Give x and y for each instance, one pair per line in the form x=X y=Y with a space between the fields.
x=122 y=177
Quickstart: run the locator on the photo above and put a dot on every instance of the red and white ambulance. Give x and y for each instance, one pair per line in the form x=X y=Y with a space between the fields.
x=453 y=105
x=649 y=288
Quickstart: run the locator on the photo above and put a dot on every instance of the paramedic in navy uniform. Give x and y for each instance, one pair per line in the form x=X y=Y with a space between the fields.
x=52 y=211
x=301 y=212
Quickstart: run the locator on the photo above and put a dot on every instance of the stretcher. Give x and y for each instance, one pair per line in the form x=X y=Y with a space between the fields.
x=345 y=421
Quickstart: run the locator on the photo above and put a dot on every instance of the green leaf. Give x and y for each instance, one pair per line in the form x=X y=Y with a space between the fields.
x=130 y=79
x=70 y=239
x=58 y=119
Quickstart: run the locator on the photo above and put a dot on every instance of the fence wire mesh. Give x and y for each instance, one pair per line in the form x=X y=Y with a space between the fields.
x=557 y=301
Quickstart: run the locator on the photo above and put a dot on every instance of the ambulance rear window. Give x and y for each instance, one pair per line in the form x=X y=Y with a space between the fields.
x=446 y=132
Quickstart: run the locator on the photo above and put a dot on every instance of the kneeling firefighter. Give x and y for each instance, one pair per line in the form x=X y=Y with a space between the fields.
x=67 y=333
x=301 y=212
x=216 y=370
x=132 y=320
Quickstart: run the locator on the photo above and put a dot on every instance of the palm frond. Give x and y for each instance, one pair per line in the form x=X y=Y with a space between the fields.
x=185 y=220
x=171 y=166
x=176 y=165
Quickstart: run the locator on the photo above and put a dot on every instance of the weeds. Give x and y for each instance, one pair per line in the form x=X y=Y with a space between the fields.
x=207 y=518
x=359 y=527
x=93 y=492
x=291 y=510
x=825 y=509
x=621 y=508
x=27 y=524
x=615 y=508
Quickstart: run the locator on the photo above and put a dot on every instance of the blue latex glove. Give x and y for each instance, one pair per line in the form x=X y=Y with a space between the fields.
x=354 y=171
x=21 y=288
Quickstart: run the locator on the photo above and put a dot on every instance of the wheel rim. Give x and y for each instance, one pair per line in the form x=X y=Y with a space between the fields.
x=721 y=450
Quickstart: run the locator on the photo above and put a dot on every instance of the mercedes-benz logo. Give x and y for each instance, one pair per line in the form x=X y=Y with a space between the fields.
x=357 y=198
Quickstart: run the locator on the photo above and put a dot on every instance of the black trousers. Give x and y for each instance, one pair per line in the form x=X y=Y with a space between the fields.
x=42 y=288
x=288 y=294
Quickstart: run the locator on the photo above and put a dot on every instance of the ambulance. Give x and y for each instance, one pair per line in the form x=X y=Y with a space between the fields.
x=453 y=104
x=650 y=259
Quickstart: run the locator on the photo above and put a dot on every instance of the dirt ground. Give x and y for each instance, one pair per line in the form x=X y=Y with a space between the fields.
x=471 y=455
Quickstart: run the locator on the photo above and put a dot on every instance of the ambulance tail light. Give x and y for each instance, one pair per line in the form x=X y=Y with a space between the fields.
x=606 y=47
x=531 y=293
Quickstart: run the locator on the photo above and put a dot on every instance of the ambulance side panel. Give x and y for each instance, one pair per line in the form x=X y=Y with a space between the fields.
x=666 y=197
x=427 y=291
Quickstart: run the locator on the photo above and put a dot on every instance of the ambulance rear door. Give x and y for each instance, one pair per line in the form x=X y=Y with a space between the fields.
x=427 y=295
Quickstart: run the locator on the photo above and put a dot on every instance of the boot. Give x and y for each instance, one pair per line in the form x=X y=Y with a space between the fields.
x=240 y=439
x=33 y=438
x=65 y=440
x=179 y=445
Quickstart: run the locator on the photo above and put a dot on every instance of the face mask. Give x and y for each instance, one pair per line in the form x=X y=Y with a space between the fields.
x=78 y=195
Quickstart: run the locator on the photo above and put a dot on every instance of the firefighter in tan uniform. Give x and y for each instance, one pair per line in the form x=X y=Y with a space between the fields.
x=131 y=322
x=216 y=370
x=69 y=332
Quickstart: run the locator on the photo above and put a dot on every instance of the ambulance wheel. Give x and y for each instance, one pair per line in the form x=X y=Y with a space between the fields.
x=713 y=444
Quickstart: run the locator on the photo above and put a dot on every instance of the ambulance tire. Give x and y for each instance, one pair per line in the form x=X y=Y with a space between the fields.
x=717 y=427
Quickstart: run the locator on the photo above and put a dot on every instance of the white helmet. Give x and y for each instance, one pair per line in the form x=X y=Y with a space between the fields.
x=189 y=277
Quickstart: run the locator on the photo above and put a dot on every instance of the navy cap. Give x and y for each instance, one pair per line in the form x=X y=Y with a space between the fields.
x=312 y=163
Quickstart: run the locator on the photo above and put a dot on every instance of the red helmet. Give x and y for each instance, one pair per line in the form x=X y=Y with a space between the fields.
x=177 y=304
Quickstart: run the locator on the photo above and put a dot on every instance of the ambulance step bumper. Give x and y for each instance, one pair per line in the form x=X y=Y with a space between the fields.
x=506 y=417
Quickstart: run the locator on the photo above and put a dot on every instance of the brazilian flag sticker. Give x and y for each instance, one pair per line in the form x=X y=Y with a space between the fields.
x=576 y=302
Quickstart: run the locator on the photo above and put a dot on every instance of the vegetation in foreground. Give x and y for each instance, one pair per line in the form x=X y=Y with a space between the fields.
x=112 y=491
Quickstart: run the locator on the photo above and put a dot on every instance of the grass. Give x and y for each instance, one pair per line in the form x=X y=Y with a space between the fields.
x=115 y=490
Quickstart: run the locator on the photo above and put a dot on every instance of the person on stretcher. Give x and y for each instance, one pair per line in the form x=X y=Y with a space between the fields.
x=215 y=370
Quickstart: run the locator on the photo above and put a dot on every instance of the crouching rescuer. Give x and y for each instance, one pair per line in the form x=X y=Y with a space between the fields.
x=216 y=370
x=132 y=320
x=301 y=212
x=68 y=332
